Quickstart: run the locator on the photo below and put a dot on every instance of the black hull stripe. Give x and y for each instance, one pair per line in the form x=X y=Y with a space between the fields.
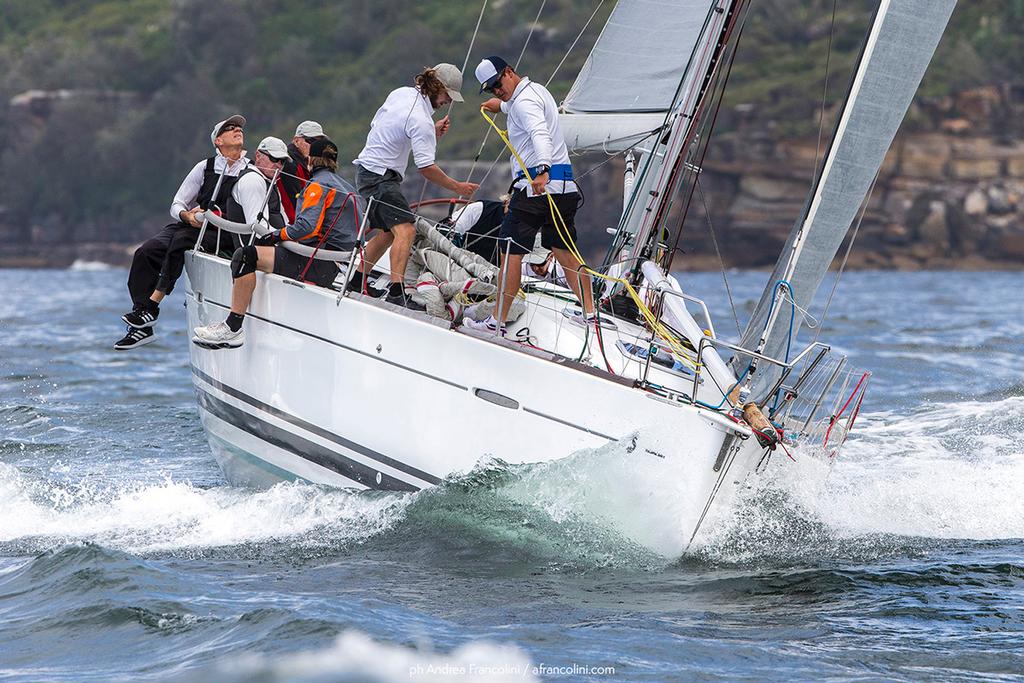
x=319 y=431
x=300 y=447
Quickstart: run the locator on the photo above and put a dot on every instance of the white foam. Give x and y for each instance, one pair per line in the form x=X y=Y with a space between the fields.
x=946 y=471
x=84 y=265
x=356 y=656
x=175 y=515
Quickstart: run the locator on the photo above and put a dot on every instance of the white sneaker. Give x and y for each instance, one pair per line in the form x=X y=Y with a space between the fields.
x=219 y=336
x=577 y=318
x=490 y=325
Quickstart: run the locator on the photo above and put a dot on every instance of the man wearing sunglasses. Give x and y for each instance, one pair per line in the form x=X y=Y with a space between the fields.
x=158 y=263
x=535 y=134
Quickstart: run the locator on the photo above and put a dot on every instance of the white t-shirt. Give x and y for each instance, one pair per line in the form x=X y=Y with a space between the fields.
x=404 y=124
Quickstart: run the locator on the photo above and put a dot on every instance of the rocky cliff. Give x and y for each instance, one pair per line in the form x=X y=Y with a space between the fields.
x=949 y=195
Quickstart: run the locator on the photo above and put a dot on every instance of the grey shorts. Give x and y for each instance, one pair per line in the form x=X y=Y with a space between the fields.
x=289 y=264
x=389 y=204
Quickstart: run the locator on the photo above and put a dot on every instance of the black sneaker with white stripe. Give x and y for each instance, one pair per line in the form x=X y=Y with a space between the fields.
x=136 y=336
x=140 y=318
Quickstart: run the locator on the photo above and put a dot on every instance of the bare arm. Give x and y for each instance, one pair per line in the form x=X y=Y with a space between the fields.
x=434 y=174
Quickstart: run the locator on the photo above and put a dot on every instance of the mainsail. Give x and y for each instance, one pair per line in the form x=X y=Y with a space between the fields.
x=632 y=76
x=900 y=45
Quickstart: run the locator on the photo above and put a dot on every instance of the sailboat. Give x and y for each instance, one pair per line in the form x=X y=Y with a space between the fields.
x=341 y=389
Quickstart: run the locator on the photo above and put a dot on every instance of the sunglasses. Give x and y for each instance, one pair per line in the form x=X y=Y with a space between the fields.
x=310 y=141
x=497 y=84
x=230 y=127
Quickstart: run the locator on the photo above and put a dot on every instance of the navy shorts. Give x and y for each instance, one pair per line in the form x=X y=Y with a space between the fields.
x=527 y=215
x=290 y=265
x=390 y=207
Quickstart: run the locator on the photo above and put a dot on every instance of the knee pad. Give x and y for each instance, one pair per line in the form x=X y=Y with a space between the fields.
x=243 y=261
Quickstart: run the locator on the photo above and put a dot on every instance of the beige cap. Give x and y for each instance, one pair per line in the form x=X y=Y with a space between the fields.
x=274 y=148
x=451 y=77
x=237 y=120
x=309 y=129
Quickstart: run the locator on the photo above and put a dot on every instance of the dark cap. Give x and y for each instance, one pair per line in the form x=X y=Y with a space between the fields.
x=323 y=148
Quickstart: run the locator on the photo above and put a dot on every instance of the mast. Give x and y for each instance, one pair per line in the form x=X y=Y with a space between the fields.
x=895 y=55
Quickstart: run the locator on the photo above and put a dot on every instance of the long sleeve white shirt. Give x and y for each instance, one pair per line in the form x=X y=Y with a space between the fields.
x=402 y=126
x=467 y=216
x=250 y=192
x=185 y=197
x=535 y=133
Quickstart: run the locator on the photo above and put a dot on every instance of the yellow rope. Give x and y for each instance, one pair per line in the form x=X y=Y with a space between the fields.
x=563 y=232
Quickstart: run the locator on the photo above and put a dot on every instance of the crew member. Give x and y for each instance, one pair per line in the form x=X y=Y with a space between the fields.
x=475 y=226
x=402 y=126
x=536 y=136
x=326 y=220
x=294 y=175
x=158 y=263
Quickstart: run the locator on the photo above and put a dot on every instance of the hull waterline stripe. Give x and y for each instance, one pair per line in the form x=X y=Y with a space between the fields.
x=300 y=447
x=314 y=429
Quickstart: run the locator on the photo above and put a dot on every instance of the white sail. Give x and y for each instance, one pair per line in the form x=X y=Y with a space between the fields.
x=901 y=42
x=643 y=64
x=639 y=58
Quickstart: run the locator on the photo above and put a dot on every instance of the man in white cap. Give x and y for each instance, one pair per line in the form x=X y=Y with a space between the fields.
x=404 y=126
x=535 y=134
x=294 y=175
x=158 y=263
x=326 y=219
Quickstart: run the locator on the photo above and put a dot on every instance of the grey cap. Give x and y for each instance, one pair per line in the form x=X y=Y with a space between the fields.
x=451 y=78
x=274 y=148
x=237 y=120
x=309 y=129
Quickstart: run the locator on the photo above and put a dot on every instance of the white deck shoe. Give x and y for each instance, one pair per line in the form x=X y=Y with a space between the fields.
x=490 y=325
x=219 y=336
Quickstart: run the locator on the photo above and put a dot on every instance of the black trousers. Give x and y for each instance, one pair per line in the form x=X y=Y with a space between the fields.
x=158 y=263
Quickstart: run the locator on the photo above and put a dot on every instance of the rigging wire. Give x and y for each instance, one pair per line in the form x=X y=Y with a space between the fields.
x=846 y=256
x=566 y=55
x=824 y=91
x=721 y=262
x=487 y=132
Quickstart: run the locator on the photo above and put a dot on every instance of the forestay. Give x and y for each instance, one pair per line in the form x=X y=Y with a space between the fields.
x=901 y=42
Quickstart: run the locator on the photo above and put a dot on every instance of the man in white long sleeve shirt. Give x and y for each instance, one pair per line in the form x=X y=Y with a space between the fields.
x=158 y=263
x=535 y=134
x=404 y=127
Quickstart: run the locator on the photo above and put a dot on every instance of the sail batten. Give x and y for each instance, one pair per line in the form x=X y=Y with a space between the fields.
x=900 y=45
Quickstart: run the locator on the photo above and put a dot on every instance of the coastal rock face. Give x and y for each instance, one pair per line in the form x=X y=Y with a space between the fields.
x=950 y=193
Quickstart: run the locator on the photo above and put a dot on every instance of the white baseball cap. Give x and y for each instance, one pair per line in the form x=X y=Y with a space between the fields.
x=237 y=120
x=274 y=148
x=309 y=129
x=451 y=78
x=488 y=70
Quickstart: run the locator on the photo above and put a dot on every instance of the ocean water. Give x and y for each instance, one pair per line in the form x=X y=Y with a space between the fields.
x=124 y=555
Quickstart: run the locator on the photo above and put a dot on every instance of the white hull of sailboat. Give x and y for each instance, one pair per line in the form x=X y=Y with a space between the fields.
x=354 y=393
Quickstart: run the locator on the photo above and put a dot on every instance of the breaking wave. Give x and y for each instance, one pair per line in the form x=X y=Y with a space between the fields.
x=944 y=471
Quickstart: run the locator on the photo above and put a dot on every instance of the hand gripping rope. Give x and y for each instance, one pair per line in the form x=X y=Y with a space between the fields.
x=563 y=232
